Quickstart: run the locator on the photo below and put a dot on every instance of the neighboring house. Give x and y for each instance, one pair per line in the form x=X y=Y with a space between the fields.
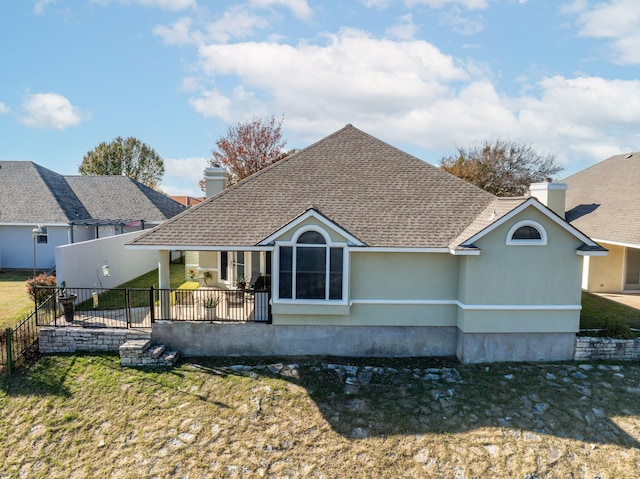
x=371 y=251
x=603 y=201
x=186 y=200
x=69 y=209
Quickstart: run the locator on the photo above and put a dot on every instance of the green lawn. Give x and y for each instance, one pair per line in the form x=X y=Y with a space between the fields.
x=15 y=303
x=615 y=318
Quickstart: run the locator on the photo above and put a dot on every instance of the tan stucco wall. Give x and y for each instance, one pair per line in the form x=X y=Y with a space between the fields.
x=503 y=274
x=288 y=235
x=393 y=289
x=605 y=272
x=521 y=275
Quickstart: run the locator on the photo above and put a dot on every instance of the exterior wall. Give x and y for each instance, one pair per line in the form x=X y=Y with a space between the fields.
x=252 y=339
x=604 y=274
x=593 y=349
x=77 y=263
x=288 y=235
x=387 y=289
x=69 y=340
x=497 y=347
x=508 y=289
x=16 y=246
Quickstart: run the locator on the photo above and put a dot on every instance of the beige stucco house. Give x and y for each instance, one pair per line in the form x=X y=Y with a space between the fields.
x=371 y=251
x=604 y=202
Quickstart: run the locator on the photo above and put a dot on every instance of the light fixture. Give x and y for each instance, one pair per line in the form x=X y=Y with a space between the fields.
x=37 y=230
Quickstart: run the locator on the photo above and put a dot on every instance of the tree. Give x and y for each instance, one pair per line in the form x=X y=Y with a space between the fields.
x=249 y=147
x=129 y=157
x=504 y=168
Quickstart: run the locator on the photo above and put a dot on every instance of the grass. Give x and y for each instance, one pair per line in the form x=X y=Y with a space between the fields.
x=15 y=303
x=85 y=416
x=602 y=313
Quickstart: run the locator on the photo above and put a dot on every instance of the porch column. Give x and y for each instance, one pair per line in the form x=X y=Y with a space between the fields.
x=164 y=282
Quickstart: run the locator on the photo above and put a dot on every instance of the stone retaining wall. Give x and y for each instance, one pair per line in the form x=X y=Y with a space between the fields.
x=588 y=348
x=70 y=339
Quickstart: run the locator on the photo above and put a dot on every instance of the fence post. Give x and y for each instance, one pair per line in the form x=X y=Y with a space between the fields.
x=151 y=305
x=9 y=333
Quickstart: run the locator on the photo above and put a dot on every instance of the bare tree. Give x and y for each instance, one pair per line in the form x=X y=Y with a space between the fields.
x=504 y=168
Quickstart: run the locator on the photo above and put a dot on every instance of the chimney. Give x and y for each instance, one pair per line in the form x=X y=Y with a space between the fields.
x=550 y=194
x=215 y=179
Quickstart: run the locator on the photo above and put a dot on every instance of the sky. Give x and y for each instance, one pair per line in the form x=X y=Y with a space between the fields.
x=427 y=76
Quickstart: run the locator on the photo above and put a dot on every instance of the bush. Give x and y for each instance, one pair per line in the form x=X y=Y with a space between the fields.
x=615 y=328
x=42 y=280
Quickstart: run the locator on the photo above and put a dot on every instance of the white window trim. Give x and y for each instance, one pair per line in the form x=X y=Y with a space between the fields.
x=329 y=243
x=530 y=242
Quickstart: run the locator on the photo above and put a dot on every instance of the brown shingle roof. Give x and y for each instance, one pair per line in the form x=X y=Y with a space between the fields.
x=377 y=193
x=604 y=200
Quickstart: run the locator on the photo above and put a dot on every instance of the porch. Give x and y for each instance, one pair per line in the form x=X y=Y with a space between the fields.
x=139 y=308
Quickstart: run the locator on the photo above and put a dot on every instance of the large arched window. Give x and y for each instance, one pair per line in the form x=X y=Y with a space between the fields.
x=310 y=269
x=527 y=233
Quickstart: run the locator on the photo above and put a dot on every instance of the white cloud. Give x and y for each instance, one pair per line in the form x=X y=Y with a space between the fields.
x=186 y=172
x=4 y=109
x=409 y=92
x=300 y=8
x=174 y=5
x=460 y=23
x=40 y=5
x=404 y=29
x=49 y=110
x=468 y=4
x=616 y=20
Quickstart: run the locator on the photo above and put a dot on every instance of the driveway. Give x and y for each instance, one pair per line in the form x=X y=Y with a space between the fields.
x=632 y=300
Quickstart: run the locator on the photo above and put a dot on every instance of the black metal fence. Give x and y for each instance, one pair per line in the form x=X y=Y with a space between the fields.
x=19 y=343
x=140 y=307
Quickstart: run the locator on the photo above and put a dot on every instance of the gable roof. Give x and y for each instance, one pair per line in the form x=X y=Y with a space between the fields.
x=33 y=194
x=604 y=199
x=503 y=209
x=379 y=194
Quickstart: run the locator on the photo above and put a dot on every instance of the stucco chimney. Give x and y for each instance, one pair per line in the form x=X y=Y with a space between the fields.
x=215 y=179
x=551 y=195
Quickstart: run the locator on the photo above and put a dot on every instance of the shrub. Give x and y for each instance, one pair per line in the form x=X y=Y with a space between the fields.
x=616 y=328
x=42 y=280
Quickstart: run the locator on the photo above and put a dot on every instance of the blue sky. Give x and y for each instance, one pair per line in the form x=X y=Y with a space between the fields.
x=424 y=75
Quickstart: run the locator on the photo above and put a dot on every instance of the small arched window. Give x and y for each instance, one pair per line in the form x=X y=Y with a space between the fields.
x=527 y=233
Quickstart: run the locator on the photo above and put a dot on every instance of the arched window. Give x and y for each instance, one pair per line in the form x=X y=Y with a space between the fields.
x=310 y=269
x=527 y=233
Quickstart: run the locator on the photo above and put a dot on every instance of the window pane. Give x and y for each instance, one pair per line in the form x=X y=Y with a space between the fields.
x=224 y=262
x=526 y=233
x=335 y=276
x=311 y=237
x=285 y=269
x=310 y=273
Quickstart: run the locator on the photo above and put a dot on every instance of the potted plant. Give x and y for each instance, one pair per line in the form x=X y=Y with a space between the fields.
x=210 y=303
x=67 y=299
x=241 y=282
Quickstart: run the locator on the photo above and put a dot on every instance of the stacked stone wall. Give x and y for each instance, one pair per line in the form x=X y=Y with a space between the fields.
x=589 y=348
x=70 y=340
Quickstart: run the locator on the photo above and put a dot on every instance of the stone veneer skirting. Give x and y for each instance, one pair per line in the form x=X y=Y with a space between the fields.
x=588 y=348
x=69 y=339
x=215 y=339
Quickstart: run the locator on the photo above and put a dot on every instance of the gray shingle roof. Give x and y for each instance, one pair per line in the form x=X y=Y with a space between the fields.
x=33 y=194
x=377 y=193
x=603 y=201
x=498 y=208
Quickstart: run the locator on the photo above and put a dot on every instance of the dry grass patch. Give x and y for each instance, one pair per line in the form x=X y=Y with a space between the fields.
x=85 y=416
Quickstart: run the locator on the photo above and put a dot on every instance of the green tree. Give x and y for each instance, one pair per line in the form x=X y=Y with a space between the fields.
x=248 y=147
x=504 y=168
x=129 y=157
